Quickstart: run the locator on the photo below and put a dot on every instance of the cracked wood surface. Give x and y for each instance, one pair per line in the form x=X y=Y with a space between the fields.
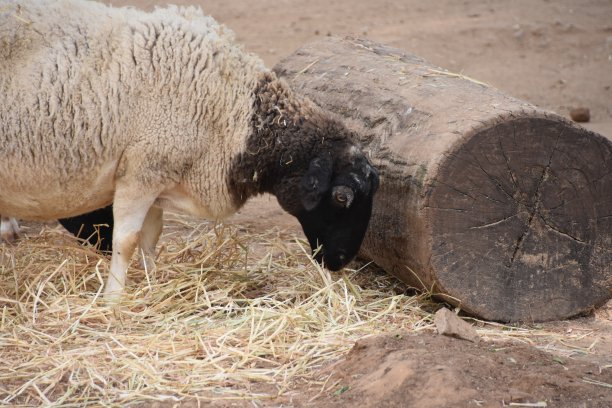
x=500 y=207
x=536 y=250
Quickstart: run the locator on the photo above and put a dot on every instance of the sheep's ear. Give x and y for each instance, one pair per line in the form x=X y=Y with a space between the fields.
x=315 y=182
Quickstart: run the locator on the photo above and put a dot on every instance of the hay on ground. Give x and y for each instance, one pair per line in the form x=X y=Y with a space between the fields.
x=227 y=314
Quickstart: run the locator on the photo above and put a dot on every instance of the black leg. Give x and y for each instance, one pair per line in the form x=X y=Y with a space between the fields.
x=95 y=227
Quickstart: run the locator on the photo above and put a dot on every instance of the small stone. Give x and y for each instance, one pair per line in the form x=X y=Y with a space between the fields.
x=580 y=114
x=449 y=324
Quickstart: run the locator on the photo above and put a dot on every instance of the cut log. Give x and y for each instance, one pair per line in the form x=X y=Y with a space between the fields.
x=498 y=207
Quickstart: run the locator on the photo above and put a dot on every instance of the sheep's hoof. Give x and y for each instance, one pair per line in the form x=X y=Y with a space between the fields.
x=112 y=299
x=9 y=231
x=113 y=293
x=147 y=263
x=8 y=238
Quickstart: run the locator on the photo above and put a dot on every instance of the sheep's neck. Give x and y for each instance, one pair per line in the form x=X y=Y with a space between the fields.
x=287 y=132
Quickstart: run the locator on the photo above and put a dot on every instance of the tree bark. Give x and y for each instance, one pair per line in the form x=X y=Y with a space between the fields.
x=490 y=203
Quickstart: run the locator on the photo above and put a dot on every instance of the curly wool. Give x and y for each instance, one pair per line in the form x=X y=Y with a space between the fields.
x=90 y=94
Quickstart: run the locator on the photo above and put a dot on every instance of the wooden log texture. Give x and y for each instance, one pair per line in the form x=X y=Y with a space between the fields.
x=495 y=205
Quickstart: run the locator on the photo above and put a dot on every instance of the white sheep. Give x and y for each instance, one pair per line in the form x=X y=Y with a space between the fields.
x=161 y=110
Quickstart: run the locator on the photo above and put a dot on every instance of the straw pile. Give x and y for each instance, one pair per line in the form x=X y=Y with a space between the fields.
x=228 y=314
x=223 y=311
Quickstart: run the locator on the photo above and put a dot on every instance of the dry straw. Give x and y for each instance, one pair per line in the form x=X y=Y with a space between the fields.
x=224 y=311
x=228 y=314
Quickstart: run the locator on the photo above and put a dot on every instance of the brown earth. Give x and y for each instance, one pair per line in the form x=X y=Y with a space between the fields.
x=556 y=54
x=429 y=371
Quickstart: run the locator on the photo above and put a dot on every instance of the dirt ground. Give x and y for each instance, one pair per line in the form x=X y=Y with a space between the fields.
x=555 y=54
x=429 y=371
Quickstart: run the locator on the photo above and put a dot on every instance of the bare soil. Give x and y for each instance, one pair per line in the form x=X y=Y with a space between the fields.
x=429 y=371
x=556 y=54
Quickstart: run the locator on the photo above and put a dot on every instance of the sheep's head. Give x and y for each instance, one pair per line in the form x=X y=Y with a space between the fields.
x=336 y=197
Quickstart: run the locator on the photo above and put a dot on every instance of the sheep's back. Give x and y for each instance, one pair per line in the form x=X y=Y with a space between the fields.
x=81 y=77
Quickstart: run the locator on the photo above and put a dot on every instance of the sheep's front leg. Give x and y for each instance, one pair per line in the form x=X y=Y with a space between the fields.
x=129 y=212
x=149 y=235
x=9 y=229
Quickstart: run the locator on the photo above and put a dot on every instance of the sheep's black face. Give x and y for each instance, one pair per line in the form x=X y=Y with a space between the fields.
x=337 y=205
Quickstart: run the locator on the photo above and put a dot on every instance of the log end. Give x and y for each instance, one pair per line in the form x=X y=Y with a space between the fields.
x=521 y=220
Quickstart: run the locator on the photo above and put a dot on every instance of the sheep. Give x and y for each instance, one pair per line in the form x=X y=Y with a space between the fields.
x=164 y=111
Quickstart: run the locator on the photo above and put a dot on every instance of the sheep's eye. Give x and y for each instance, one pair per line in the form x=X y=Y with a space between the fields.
x=340 y=198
